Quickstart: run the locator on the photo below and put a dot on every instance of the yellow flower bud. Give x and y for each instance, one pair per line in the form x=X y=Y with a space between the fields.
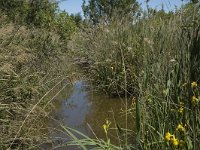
x=194 y=100
x=167 y=136
x=180 y=128
x=193 y=84
x=181 y=109
x=175 y=142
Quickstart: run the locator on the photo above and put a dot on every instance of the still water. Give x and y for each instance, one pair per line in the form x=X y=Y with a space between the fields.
x=84 y=110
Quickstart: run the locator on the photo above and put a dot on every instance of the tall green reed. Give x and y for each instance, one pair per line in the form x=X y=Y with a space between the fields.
x=154 y=59
x=170 y=65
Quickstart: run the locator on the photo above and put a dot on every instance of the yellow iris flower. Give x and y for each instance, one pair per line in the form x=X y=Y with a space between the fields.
x=193 y=84
x=167 y=136
x=180 y=128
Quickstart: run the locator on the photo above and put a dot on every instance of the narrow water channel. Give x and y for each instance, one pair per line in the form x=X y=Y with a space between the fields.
x=83 y=110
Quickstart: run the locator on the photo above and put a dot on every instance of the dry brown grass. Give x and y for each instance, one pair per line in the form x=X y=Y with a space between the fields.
x=32 y=62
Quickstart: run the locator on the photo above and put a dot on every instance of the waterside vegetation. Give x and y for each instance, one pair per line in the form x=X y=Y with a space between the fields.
x=148 y=56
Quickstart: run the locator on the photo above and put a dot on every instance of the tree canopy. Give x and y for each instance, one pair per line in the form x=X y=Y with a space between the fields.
x=39 y=13
x=97 y=10
x=35 y=12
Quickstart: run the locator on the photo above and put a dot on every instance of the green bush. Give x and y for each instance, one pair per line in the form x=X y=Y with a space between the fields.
x=43 y=14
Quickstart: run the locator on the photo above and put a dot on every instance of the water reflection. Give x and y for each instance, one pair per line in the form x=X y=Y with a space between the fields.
x=86 y=112
x=72 y=111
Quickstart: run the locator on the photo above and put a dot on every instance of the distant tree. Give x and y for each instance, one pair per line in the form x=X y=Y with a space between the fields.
x=41 y=12
x=195 y=1
x=64 y=25
x=77 y=18
x=97 y=10
x=15 y=10
x=32 y=12
x=160 y=14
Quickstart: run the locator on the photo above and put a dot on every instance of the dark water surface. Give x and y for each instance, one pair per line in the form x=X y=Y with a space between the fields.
x=79 y=108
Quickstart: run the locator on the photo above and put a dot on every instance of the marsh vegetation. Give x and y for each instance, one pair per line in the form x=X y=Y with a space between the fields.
x=149 y=59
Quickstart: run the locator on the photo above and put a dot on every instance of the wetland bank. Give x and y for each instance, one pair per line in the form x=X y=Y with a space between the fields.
x=139 y=76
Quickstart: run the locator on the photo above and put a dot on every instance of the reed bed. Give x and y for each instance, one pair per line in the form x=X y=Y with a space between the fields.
x=156 y=60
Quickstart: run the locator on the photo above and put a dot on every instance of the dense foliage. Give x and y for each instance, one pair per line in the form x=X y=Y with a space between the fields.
x=104 y=10
x=40 y=14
